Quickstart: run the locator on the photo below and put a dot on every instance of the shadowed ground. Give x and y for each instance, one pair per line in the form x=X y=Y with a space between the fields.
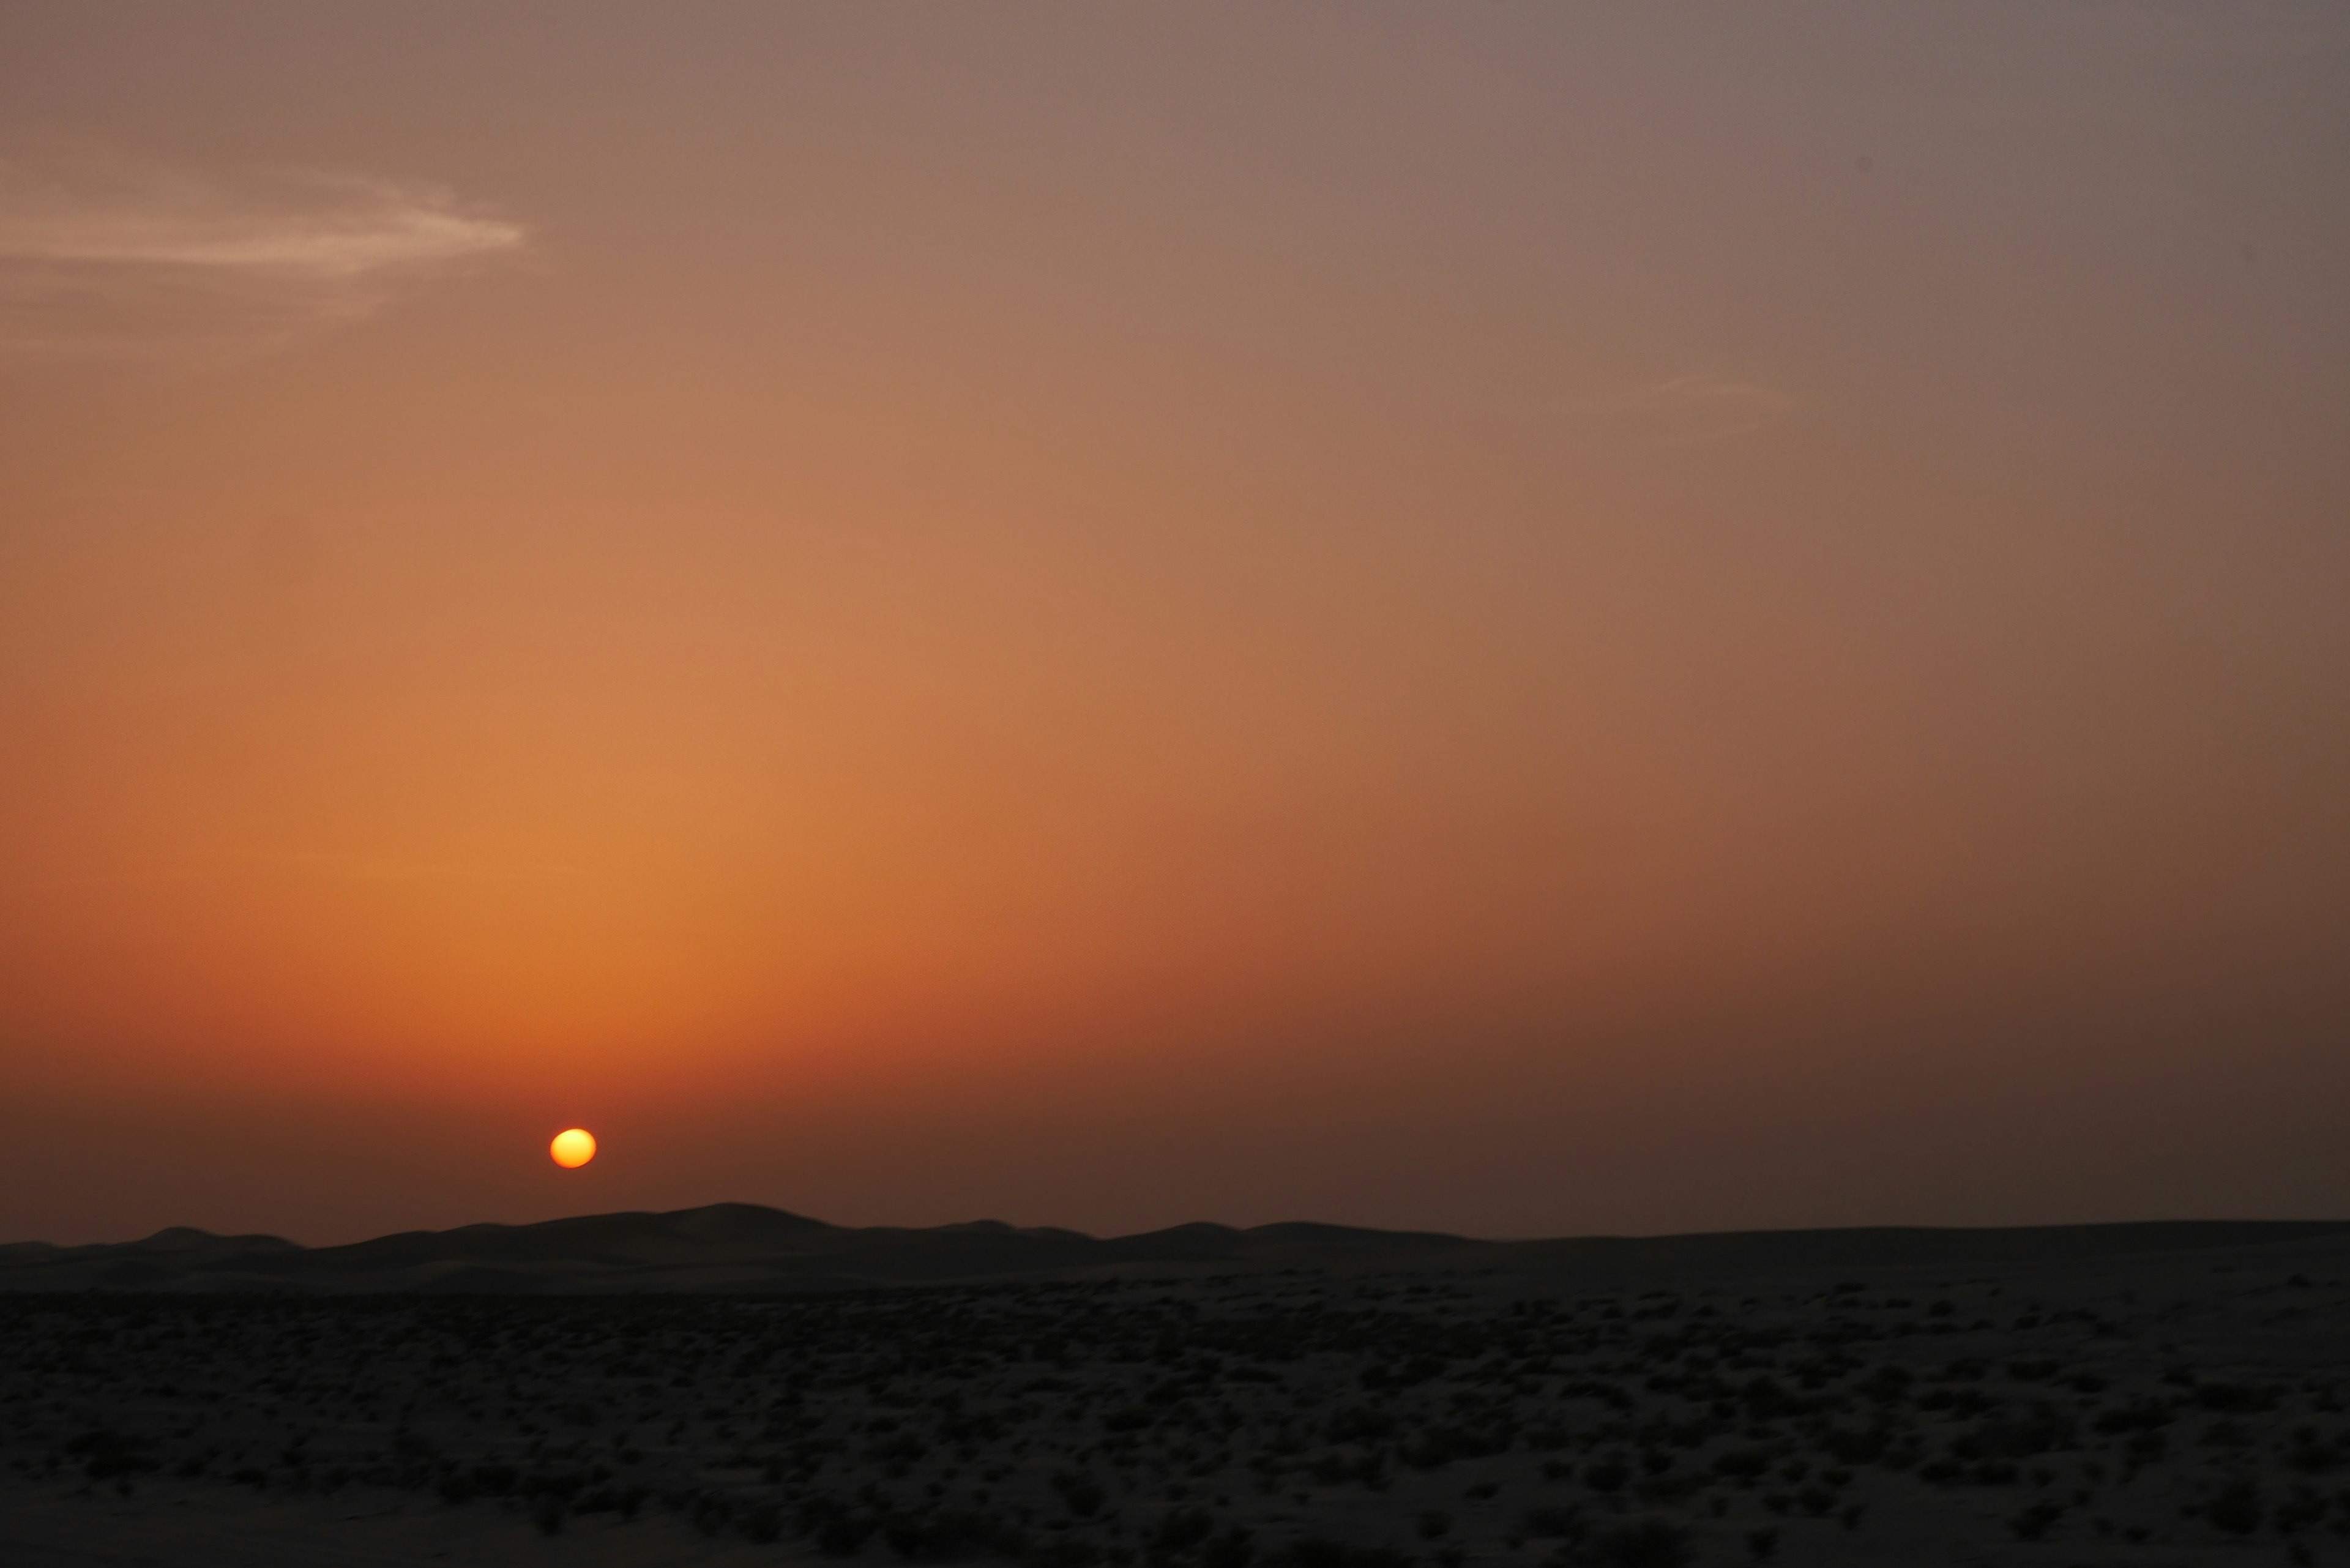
x=1197 y=1399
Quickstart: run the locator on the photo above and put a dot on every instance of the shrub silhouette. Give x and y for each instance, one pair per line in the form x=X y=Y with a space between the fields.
x=1081 y=1492
x=1606 y=1475
x=2236 y=1508
x=2235 y=1398
x=1650 y=1543
x=1361 y=1424
x=109 y=1453
x=1742 y=1464
x=1315 y=1552
x=1235 y=1547
x=2035 y=1522
x=1184 y=1529
x=1554 y=1523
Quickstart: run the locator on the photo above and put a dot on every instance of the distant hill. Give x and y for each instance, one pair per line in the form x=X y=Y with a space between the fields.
x=745 y=1248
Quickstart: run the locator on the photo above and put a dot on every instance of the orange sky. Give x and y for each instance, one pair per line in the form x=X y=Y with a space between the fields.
x=1526 y=620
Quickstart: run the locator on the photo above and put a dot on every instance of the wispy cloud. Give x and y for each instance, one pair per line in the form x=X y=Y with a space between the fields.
x=1687 y=410
x=103 y=254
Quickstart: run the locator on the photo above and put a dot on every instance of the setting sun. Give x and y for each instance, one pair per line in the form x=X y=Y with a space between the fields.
x=573 y=1147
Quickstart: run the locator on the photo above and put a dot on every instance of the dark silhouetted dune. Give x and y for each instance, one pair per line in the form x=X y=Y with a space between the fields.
x=742 y=1247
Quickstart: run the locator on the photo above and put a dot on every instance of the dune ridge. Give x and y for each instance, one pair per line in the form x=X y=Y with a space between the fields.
x=744 y=1246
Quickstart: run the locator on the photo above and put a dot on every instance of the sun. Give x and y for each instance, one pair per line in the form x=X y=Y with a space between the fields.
x=573 y=1149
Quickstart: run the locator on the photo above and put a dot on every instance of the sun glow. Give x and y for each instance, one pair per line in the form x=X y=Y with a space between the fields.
x=573 y=1147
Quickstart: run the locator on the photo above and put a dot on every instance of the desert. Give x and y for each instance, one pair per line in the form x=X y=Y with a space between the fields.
x=2091 y=1395
x=1186 y=784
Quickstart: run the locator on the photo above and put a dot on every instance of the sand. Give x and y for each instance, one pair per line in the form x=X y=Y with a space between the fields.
x=2168 y=1407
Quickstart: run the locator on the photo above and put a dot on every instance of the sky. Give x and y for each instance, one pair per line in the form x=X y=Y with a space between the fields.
x=1520 y=619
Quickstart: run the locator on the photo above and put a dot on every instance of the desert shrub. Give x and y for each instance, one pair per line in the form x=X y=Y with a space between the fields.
x=2235 y=1398
x=108 y=1453
x=2036 y=1521
x=949 y=1534
x=548 y=1483
x=1554 y=1523
x=1607 y=1393
x=1767 y=1399
x=1440 y=1446
x=2302 y=1511
x=1235 y=1547
x=622 y=1501
x=2138 y=1415
x=1060 y=1553
x=1741 y=1464
x=2042 y=1428
x=1361 y=1424
x=493 y=1480
x=1608 y=1475
x=1959 y=1402
x=2310 y=1453
x=1184 y=1529
x=900 y=1448
x=841 y=1535
x=1886 y=1384
x=1080 y=1492
x=2235 y=1508
x=1850 y=1447
x=1315 y=1552
x=1649 y=1543
x=833 y=1526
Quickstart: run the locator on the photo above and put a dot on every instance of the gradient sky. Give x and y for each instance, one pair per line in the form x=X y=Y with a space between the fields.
x=1521 y=618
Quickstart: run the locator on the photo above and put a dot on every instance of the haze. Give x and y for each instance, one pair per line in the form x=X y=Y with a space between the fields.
x=1521 y=618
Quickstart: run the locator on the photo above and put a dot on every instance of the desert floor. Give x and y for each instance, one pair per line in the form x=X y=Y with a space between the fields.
x=2171 y=1409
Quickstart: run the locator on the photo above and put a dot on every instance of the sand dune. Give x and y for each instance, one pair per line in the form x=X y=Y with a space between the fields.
x=743 y=1246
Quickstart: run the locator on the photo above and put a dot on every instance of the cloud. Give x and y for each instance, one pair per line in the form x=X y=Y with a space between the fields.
x=1685 y=409
x=101 y=253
